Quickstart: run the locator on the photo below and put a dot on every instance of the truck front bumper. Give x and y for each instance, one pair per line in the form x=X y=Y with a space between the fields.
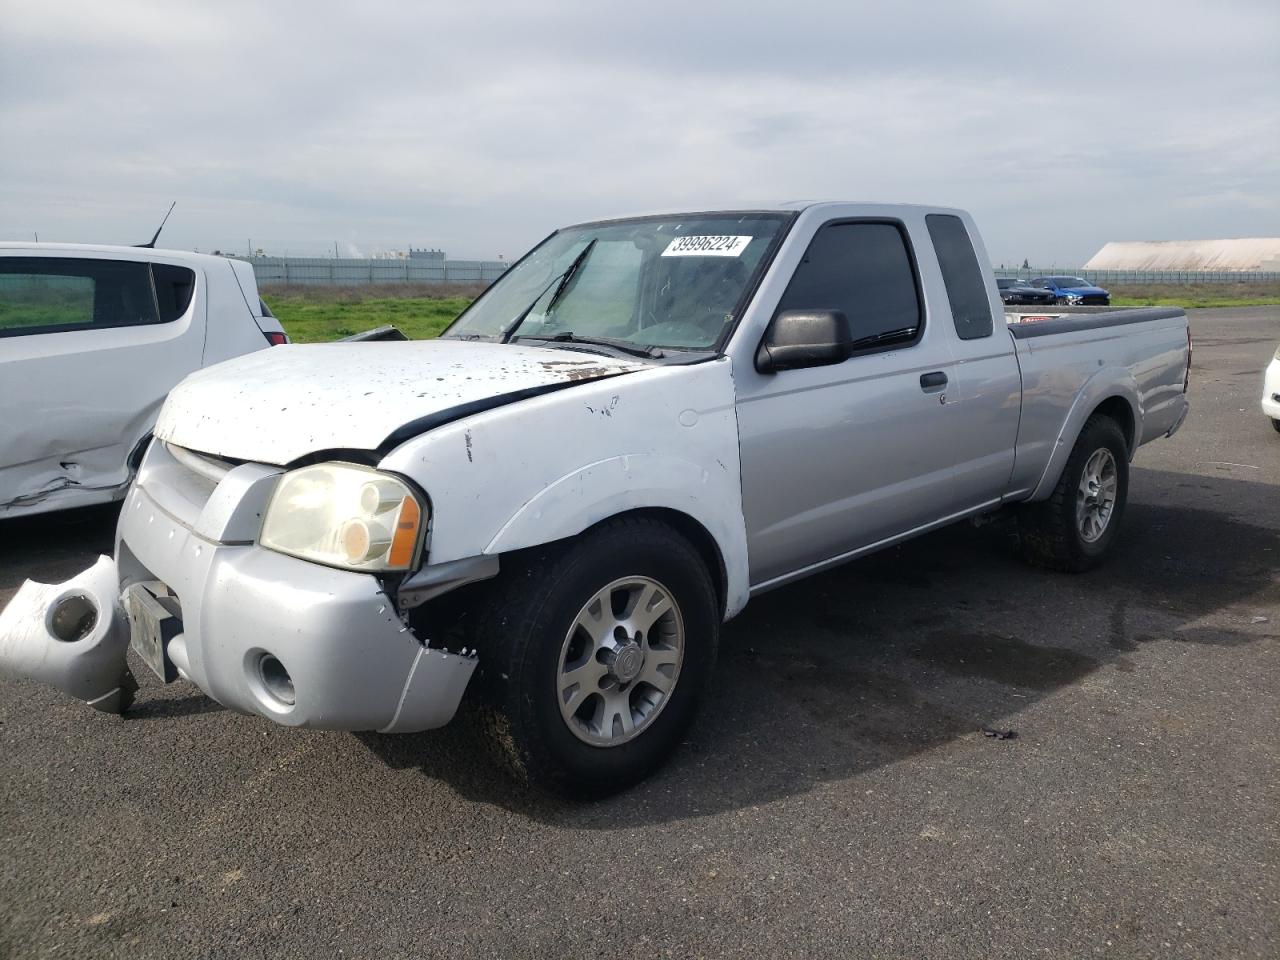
x=296 y=642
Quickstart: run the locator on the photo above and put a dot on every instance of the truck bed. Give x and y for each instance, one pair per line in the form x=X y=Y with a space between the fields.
x=1079 y=357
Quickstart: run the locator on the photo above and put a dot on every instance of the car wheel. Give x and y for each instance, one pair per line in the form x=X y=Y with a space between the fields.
x=1275 y=423
x=593 y=656
x=1078 y=525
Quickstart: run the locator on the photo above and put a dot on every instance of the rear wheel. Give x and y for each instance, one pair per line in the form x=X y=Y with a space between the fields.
x=1078 y=525
x=593 y=656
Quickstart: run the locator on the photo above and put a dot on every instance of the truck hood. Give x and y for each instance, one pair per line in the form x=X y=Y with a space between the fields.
x=280 y=404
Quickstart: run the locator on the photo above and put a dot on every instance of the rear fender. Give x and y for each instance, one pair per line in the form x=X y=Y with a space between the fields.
x=64 y=478
x=1108 y=382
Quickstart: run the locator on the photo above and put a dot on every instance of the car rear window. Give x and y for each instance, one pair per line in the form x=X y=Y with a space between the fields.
x=964 y=279
x=51 y=294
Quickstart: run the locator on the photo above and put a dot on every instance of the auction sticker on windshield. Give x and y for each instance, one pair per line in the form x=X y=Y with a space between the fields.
x=706 y=246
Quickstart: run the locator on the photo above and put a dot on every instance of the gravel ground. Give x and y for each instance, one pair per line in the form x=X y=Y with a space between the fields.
x=835 y=798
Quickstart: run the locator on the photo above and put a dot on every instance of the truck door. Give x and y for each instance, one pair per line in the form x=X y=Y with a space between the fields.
x=987 y=387
x=839 y=457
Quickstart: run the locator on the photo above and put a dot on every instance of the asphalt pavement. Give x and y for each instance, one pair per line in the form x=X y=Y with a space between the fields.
x=835 y=798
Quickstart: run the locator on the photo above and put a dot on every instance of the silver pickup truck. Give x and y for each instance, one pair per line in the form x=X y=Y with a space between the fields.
x=642 y=425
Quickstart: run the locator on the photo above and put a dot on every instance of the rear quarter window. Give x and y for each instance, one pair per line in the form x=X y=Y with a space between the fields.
x=174 y=286
x=963 y=276
x=52 y=294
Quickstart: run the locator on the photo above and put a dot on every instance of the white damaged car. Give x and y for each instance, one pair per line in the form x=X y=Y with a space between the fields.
x=92 y=339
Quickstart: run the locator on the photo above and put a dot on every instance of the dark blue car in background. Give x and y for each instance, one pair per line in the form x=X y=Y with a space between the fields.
x=1074 y=291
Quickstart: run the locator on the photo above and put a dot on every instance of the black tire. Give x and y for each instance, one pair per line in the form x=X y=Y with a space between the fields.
x=1276 y=423
x=528 y=614
x=1050 y=531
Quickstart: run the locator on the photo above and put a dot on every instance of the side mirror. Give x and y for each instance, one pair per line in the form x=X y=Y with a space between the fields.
x=804 y=338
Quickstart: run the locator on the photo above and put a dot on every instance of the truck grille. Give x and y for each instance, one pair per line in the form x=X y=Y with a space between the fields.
x=179 y=480
x=211 y=468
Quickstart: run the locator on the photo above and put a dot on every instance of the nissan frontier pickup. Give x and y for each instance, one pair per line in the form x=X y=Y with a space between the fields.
x=643 y=424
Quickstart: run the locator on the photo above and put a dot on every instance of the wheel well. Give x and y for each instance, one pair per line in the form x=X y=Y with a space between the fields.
x=448 y=619
x=1118 y=409
x=696 y=534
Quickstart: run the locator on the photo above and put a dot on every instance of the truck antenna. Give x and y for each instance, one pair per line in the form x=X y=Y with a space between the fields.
x=151 y=244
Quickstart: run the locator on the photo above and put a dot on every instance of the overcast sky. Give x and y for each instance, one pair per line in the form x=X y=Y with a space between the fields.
x=479 y=127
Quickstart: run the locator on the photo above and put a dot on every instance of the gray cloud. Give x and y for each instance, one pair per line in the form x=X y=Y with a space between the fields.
x=480 y=128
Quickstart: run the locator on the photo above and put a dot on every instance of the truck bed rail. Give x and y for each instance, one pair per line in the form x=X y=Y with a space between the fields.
x=1092 y=320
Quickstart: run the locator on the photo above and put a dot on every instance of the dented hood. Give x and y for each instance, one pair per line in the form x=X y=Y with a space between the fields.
x=277 y=405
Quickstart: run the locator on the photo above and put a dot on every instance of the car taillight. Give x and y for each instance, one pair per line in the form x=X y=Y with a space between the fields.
x=276 y=339
x=1186 y=381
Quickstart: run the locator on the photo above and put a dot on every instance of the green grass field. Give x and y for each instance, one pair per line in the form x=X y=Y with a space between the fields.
x=315 y=322
x=1195 y=302
x=317 y=314
x=1196 y=295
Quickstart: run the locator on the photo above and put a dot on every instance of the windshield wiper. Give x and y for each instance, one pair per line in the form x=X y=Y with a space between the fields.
x=882 y=337
x=562 y=278
x=625 y=346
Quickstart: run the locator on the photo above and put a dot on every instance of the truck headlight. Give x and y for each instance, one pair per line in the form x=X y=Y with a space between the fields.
x=345 y=515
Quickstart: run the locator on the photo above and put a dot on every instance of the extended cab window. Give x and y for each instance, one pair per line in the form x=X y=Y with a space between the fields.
x=865 y=271
x=47 y=294
x=965 y=280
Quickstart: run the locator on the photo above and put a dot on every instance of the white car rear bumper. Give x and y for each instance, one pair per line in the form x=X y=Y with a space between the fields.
x=1271 y=390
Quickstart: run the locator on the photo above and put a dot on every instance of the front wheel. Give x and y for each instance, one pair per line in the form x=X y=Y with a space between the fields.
x=1078 y=525
x=593 y=656
x=1275 y=423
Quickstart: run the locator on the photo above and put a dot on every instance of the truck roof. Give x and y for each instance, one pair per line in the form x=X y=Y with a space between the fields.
x=806 y=204
x=881 y=208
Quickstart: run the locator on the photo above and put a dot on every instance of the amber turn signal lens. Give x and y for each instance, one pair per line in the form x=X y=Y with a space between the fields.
x=405 y=537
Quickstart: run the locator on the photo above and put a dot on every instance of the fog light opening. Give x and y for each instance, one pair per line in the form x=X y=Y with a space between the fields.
x=275 y=679
x=73 y=618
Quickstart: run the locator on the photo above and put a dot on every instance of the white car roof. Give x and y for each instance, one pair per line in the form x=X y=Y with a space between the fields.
x=98 y=250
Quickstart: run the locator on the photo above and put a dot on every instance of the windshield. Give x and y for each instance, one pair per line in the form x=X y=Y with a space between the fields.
x=674 y=282
x=1070 y=282
x=1006 y=284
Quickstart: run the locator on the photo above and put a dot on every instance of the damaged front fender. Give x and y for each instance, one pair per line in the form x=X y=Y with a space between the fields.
x=72 y=636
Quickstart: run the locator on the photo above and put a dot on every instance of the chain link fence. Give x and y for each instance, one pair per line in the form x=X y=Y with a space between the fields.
x=346 y=272
x=343 y=272
x=1104 y=277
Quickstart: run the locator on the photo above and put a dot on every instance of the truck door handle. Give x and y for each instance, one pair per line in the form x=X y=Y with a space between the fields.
x=930 y=382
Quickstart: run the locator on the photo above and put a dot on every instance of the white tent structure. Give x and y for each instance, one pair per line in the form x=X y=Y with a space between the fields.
x=1254 y=253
